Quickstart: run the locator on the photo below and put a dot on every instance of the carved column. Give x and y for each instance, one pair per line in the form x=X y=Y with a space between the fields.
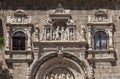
x=89 y=38
x=111 y=38
x=7 y=39
x=36 y=35
x=29 y=40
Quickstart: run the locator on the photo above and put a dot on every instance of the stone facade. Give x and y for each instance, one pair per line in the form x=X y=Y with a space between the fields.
x=58 y=39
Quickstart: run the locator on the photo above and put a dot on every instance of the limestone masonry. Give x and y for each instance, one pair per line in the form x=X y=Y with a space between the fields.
x=60 y=39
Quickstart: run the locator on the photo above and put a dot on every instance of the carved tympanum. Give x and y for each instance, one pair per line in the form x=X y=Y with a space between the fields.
x=59 y=73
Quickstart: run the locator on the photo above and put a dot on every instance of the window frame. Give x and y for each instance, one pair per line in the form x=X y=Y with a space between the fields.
x=19 y=49
x=106 y=39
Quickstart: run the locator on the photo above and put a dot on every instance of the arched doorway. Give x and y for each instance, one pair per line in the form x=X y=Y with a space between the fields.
x=60 y=69
x=53 y=67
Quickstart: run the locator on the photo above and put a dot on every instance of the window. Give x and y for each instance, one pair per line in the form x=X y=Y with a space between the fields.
x=18 y=42
x=100 y=40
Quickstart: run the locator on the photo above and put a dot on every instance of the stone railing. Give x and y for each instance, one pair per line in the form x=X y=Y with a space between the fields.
x=100 y=19
x=18 y=20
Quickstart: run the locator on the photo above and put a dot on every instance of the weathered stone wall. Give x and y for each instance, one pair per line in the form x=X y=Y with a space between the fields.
x=79 y=11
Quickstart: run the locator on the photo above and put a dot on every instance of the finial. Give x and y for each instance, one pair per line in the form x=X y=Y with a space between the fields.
x=59 y=5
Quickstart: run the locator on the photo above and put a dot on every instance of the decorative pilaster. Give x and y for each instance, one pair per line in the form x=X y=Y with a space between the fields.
x=29 y=40
x=111 y=46
x=89 y=38
x=7 y=39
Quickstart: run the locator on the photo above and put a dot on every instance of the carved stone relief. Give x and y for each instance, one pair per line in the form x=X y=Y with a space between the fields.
x=19 y=17
x=59 y=73
x=59 y=34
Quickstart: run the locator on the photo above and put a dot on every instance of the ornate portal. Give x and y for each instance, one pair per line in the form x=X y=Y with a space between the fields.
x=59 y=73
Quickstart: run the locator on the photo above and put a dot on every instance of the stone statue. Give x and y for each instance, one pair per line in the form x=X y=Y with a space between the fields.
x=48 y=35
x=82 y=32
x=62 y=33
x=71 y=34
x=66 y=34
x=54 y=35
x=77 y=36
x=57 y=33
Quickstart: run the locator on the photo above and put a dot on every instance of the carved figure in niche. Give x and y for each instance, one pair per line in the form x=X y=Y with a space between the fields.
x=42 y=36
x=62 y=33
x=82 y=32
x=54 y=35
x=58 y=35
x=66 y=33
x=48 y=35
x=100 y=18
x=71 y=34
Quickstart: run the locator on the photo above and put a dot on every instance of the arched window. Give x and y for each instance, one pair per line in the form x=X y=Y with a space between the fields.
x=100 y=40
x=18 y=42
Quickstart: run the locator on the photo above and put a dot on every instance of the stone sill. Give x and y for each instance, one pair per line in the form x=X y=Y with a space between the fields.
x=19 y=60
x=18 y=51
x=101 y=51
x=102 y=59
x=97 y=23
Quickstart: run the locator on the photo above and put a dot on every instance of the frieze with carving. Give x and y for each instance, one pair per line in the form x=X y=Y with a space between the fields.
x=60 y=33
